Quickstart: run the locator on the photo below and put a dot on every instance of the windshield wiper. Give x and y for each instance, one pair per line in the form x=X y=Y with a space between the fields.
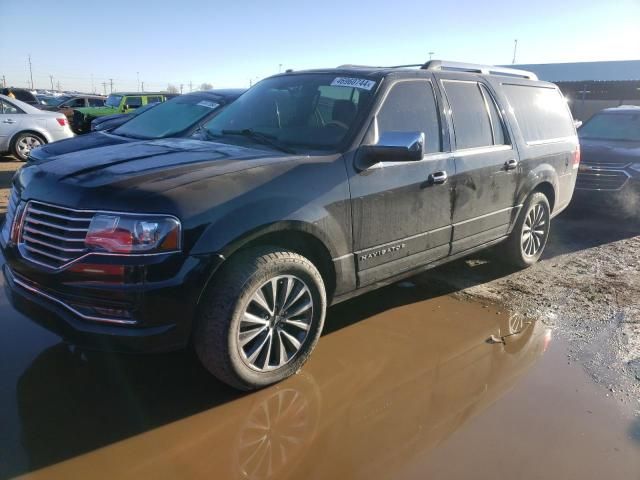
x=260 y=137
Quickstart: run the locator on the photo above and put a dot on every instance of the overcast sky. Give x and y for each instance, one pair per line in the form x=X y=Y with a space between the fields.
x=230 y=43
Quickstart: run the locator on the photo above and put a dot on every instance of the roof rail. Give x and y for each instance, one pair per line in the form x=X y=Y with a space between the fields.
x=477 y=68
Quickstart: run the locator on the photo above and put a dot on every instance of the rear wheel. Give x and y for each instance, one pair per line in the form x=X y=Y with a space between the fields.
x=25 y=142
x=529 y=236
x=261 y=318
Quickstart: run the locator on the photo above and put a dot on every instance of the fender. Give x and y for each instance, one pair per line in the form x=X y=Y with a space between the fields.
x=541 y=173
x=40 y=131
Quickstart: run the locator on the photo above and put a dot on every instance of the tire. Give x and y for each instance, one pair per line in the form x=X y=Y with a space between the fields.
x=523 y=253
x=239 y=303
x=24 y=142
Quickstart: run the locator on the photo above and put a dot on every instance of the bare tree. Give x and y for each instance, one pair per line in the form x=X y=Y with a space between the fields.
x=172 y=88
x=206 y=86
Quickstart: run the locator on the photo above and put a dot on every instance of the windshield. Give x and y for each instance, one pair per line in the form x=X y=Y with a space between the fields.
x=307 y=110
x=612 y=126
x=51 y=101
x=169 y=118
x=113 y=101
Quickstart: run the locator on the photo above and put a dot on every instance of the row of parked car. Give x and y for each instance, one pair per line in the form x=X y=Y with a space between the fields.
x=230 y=221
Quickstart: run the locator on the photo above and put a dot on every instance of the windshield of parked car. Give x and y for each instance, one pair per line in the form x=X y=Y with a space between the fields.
x=113 y=101
x=612 y=126
x=169 y=118
x=51 y=101
x=316 y=111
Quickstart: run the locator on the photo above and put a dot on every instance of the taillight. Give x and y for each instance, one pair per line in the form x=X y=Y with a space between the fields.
x=62 y=121
x=576 y=157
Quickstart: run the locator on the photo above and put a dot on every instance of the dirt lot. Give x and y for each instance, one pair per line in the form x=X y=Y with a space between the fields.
x=587 y=287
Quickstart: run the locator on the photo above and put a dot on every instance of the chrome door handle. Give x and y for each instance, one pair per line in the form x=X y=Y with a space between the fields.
x=9 y=120
x=511 y=164
x=438 y=178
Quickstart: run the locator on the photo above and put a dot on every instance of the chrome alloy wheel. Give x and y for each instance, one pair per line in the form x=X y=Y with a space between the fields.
x=534 y=230
x=26 y=144
x=275 y=323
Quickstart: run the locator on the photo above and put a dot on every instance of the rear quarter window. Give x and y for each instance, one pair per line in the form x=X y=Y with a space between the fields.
x=541 y=112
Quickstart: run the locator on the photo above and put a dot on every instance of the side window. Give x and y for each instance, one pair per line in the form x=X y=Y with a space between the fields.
x=96 y=102
x=75 y=103
x=410 y=106
x=541 y=112
x=471 y=123
x=9 y=109
x=153 y=100
x=133 y=102
x=497 y=126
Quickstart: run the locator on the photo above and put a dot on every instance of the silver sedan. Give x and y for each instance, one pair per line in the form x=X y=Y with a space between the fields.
x=23 y=127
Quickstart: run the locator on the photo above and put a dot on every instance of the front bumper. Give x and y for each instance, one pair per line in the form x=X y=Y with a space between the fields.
x=160 y=297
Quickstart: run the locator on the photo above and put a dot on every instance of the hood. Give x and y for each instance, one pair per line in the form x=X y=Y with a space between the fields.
x=75 y=144
x=139 y=168
x=609 y=152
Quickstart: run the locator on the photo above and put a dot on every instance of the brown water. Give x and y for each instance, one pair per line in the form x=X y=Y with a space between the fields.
x=403 y=385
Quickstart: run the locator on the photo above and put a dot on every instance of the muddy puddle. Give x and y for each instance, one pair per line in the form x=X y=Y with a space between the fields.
x=404 y=384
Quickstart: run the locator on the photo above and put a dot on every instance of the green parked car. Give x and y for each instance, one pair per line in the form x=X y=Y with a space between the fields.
x=119 y=102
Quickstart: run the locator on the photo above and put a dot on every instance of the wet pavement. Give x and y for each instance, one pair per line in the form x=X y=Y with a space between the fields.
x=406 y=382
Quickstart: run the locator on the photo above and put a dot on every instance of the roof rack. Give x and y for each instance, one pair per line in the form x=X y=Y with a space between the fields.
x=476 y=68
x=461 y=67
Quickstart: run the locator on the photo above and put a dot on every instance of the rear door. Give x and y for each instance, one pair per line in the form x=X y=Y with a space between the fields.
x=401 y=219
x=486 y=162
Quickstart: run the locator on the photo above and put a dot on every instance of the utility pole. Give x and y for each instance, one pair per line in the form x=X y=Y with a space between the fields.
x=142 y=90
x=4 y=82
x=93 y=87
x=30 y=72
x=138 y=79
x=431 y=55
x=181 y=85
x=111 y=85
x=51 y=78
x=190 y=86
x=279 y=68
x=515 y=49
x=104 y=85
x=58 y=85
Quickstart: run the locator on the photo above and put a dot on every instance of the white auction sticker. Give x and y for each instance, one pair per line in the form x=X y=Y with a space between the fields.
x=208 y=104
x=353 y=82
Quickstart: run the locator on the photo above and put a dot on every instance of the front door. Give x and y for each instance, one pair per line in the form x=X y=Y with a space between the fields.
x=10 y=120
x=486 y=165
x=401 y=217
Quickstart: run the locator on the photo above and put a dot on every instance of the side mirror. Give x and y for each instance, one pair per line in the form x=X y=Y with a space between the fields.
x=395 y=147
x=577 y=123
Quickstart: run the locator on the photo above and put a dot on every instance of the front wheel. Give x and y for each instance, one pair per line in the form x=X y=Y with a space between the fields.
x=261 y=318
x=530 y=233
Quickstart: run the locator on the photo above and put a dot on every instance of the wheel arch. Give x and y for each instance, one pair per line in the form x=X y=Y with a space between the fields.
x=40 y=133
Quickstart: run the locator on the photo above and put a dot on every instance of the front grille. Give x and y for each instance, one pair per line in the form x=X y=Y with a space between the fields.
x=54 y=236
x=14 y=199
x=600 y=164
x=601 y=180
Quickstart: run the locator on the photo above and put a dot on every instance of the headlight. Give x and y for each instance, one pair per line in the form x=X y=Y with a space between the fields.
x=635 y=166
x=133 y=233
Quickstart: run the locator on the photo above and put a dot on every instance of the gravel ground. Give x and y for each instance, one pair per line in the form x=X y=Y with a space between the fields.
x=587 y=287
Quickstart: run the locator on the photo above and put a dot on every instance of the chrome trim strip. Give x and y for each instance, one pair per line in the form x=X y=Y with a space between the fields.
x=50 y=245
x=42 y=252
x=57 y=215
x=68 y=307
x=553 y=140
x=591 y=172
x=53 y=225
x=463 y=152
x=51 y=235
x=488 y=215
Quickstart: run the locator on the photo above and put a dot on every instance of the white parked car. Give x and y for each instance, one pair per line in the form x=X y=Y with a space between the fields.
x=23 y=127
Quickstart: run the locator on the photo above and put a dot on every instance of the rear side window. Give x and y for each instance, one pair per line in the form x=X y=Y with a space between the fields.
x=153 y=100
x=133 y=102
x=542 y=113
x=471 y=122
x=411 y=107
x=497 y=127
x=96 y=102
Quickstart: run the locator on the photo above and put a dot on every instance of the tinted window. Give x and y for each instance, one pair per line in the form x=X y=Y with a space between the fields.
x=96 y=102
x=612 y=126
x=9 y=109
x=471 y=122
x=113 y=101
x=133 y=102
x=497 y=127
x=542 y=113
x=75 y=103
x=154 y=99
x=169 y=118
x=411 y=107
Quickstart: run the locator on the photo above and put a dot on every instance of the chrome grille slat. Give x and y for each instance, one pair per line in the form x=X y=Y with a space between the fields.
x=29 y=238
x=36 y=231
x=52 y=235
x=611 y=180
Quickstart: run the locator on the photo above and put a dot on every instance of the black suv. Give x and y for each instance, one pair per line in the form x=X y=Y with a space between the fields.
x=610 y=168
x=311 y=188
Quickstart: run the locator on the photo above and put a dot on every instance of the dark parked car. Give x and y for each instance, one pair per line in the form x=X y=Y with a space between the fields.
x=610 y=145
x=21 y=94
x=67 y=103
x=311 y=188
x=178 y=117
